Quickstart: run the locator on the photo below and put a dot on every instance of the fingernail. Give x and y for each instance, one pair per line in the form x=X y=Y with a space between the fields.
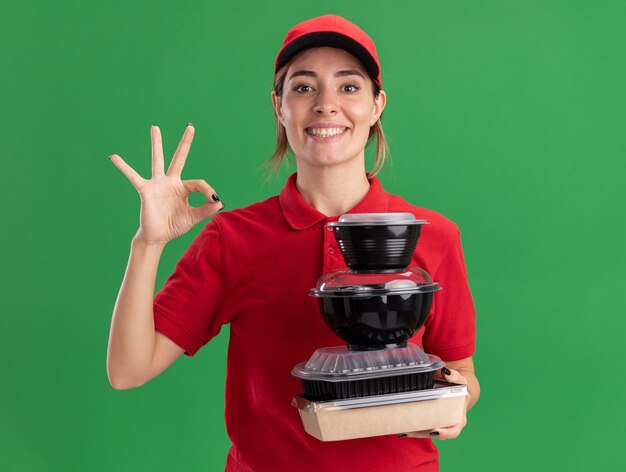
x=402 y=435
x=215 y=197
x=434 y=433
x=189 y=124
x=446 y=371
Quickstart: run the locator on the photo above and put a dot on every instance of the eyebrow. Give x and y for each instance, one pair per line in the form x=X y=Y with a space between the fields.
x=340 y=73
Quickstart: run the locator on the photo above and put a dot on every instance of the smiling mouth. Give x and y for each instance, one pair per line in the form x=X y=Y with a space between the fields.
x=325 y=132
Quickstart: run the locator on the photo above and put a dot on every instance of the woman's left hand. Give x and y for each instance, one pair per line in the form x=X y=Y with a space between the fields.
x=451 y=432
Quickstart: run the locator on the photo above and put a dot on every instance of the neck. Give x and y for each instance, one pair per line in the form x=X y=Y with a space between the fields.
x=333 y=190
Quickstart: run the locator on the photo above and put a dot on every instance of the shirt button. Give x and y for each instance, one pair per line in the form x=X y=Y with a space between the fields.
x=331 y=250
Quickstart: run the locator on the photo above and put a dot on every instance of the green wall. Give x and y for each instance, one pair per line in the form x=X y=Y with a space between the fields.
x=506 y=116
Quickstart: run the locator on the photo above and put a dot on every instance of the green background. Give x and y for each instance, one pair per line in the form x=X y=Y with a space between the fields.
x=506 y=116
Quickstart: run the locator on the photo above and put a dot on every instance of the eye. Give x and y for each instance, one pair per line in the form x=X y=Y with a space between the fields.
x=299 y=88
x=354 y=87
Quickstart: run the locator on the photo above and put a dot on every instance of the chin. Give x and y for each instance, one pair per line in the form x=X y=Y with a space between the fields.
x=331 y=160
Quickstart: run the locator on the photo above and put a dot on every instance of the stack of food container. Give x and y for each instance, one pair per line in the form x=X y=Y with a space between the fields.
x=379 y=383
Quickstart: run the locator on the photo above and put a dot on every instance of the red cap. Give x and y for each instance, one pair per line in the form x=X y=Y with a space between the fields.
x=332 y=31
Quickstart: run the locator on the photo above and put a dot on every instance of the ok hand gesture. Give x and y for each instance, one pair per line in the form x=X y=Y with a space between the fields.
x=165 y=210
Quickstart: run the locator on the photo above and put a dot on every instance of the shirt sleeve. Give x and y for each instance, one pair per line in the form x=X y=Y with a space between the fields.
x=450 y=331
x=188 y=309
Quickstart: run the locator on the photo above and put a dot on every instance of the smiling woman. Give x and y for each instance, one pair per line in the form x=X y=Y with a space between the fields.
x=362 y=82
x=253 y=267
x=328 y=108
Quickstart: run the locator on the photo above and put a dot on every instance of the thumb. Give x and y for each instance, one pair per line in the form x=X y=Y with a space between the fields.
x=206 y=210
x=451 y=375
x=211 y=207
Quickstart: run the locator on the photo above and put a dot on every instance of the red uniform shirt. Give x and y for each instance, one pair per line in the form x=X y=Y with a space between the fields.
x=253 y=268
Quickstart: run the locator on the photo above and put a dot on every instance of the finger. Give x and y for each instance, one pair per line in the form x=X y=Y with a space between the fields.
x=415 y=434
x=450 y=432
x=180 y=156
x=205 y=211
x=439 y=433
x=201 y=186
x=454 y=376
x=128 y=171
x=208 y=209
x=157 y=152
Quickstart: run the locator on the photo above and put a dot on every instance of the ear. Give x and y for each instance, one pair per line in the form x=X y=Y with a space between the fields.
x=276 y=103
x=379 y=105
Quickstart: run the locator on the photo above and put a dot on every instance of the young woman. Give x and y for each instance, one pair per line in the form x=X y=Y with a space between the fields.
x=253 y=267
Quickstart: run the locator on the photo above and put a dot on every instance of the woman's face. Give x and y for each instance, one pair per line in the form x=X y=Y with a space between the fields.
x=327 y=107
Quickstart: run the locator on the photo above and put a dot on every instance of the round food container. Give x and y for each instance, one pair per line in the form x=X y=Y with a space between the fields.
x=377 y=241
x=375 y=310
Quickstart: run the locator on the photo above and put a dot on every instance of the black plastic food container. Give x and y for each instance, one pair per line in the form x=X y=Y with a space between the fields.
x=377 y=241
x=375 y=311
x=318 y=390
x=376 y=322
x=338 y=372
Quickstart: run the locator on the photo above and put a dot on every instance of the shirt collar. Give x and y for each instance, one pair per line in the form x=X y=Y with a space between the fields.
x=300 y=214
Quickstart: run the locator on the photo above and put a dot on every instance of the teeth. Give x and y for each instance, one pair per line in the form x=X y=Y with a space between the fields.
x=325 y=132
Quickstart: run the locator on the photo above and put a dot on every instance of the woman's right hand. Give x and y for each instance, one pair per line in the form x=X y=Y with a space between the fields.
x=165 y=210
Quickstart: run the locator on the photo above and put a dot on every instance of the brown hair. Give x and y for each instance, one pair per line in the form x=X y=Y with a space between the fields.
x=282 y=145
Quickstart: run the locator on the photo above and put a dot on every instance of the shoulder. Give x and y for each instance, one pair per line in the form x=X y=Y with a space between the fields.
x=440 y=229
x=439 y=246
x=237 y=226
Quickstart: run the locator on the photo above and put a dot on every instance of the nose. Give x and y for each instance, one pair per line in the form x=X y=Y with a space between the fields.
x=326 y=102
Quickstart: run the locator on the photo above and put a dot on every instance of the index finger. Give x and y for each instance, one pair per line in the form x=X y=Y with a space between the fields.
x=180 y=156
x=128 y=171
